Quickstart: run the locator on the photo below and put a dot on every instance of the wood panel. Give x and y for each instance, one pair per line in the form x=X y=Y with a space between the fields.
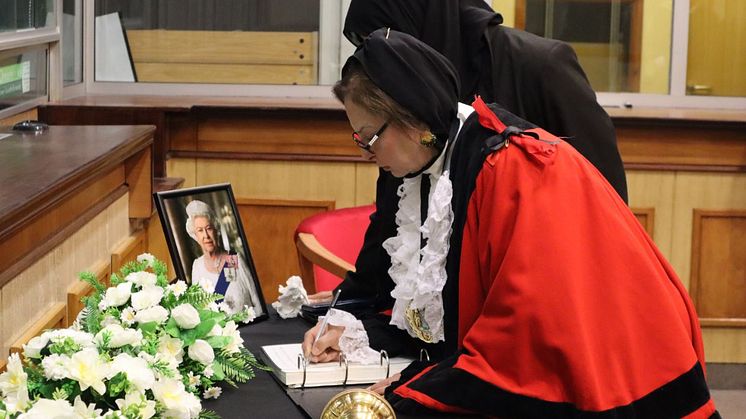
x=365 y=183
x=54 y=317
x=12 y=120
x=46 y=226
x=705 y=191
x=224 y=57
x=711 y=146
x=270 y=226
x=654 y=189
x=723 y=344
x=646 y=217
x=79 y=289
x=303 y=133
x=225 y=73
x=217 y=47
x=139 y=178
x=128 y=249
x=157 y=245
x=301 y=181
x=718 y=278
x=184 y=168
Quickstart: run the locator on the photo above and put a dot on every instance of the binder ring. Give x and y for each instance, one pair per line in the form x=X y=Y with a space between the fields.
x=302 y=364
x=385 y=355
x=343 y=358
x=424 y=356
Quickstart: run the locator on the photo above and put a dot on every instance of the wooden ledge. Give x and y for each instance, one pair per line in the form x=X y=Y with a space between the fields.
x=311 y=249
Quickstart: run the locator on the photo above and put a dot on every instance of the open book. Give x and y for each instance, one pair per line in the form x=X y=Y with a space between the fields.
x=288 y=366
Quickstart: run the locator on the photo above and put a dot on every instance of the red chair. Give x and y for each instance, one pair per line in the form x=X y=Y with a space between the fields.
x=328 y=244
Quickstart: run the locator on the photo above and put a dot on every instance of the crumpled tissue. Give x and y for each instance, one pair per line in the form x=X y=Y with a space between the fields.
x=292 y=297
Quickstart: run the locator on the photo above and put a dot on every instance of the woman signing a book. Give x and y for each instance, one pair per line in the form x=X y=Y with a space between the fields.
x=508 y=257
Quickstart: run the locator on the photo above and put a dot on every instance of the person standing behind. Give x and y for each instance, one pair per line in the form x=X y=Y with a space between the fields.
x=537 y=79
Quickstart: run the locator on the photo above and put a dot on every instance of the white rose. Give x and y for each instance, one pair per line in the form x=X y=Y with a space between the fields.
x=55 y=366
x=201 y=351
x=171 y=348
x=175 y=399
x=116 y=296
x=186 y=316
x=46 y=408
x=146 y=257
x=33 y=348
x=156 y=314
x=231 y=330
x=148 y=297
x=142 y=279
x=178 y=288
x=120 y=336
x=137 y=370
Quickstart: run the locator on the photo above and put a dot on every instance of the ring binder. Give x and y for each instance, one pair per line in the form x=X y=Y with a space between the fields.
x=385 y=355
x=343 y=358
x=302 y=362
x=424 y=356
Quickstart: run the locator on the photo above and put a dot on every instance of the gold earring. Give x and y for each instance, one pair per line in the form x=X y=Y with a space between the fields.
x=427 y=139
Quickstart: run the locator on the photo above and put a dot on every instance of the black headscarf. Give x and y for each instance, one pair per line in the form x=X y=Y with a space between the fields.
x=455 y=28
x=416 y=76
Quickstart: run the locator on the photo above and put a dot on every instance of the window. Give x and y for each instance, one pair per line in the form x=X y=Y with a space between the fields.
x=21 y=15
x=72 y=41
x=23 y=76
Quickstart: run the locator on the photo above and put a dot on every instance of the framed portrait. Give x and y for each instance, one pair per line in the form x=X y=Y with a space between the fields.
x=208 y=245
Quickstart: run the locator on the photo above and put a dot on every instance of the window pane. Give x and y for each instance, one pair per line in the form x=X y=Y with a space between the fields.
x=72 y=41
x=23 y=77
x=623 y=45
x=717 y=48
x=26 y=14
x=207 y=41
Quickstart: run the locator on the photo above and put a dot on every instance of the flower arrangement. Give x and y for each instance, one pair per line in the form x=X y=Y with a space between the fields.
x=142 y=348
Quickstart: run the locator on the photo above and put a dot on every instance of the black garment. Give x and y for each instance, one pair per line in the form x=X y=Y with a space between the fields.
x=537 y=79
x=426 y=87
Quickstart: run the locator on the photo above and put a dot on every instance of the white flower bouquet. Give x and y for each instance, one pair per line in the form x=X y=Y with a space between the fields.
x=142 y=348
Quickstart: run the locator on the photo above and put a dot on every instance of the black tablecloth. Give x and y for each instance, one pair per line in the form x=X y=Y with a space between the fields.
x=262 y=397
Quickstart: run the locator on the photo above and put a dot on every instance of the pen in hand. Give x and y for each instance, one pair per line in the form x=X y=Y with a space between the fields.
x=324 y=323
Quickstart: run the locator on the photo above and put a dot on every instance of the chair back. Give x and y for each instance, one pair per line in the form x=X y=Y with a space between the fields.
x=330 y=241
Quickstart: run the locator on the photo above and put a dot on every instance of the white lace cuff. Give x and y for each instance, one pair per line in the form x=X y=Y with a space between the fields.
x=354 y=340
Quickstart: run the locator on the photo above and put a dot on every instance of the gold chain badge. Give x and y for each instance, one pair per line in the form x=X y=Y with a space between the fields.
x=418 y=325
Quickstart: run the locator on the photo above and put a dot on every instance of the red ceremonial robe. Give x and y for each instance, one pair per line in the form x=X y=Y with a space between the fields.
x=566 y=306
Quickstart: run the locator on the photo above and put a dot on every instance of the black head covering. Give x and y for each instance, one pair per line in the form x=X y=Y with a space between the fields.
x=416 y=76
x=453 y=27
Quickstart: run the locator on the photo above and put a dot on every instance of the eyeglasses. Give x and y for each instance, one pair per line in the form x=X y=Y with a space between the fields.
x=367 y=146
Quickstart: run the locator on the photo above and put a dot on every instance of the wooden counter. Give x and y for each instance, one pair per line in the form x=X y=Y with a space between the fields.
x=56 y=181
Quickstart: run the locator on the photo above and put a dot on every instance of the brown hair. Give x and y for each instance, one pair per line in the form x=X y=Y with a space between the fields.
x=357 y=86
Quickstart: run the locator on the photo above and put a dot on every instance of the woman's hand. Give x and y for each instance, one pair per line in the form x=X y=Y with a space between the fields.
x=326 y=348
x=380 y=387
x=320 y=297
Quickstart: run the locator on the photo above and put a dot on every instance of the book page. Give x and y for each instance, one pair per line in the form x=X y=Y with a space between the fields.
x=284 y=362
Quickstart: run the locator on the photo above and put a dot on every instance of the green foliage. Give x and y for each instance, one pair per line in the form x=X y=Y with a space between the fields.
x=162 y=367
x=93 y=280
x=65 y=346
x=105 y=341
x=198 y=297
x=118 y=385
x=237 y=367
x=59 y=394
x=208 y=414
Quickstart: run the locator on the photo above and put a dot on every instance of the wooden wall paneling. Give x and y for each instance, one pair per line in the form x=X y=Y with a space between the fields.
x=128 y=249
x=40 y=235
x=724 y=344
x=269 y=226
x=304 y=181
x=365 y=183
x=718 y=276
x=54 y=317
x=690 y=143
x=24 y=296
x=116 y=115
x=12 y=120
x=118 y=225
x=185 y=168
x=654 y=189
x=646 y=217
x=157 y=245
x=225 y=73
x=139 y=178
x=299 y=132
x=707 y=191
x=79 y=289
x=182 y=132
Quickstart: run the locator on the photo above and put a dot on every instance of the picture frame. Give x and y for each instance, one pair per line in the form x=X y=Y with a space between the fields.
x=208 y=246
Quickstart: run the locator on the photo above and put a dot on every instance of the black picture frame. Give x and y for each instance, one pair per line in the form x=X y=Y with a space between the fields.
x=188 y=255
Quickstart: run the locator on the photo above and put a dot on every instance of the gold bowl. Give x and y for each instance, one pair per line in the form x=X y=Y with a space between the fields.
x=358 y=403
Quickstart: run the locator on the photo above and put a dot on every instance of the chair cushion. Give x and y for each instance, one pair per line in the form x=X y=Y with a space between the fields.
x=341 y=232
